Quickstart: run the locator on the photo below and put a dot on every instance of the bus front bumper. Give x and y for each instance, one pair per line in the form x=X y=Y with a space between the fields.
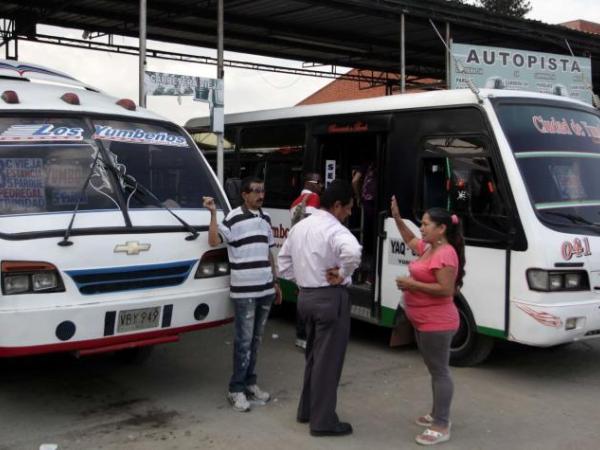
x=111 y=325
x=545 y=325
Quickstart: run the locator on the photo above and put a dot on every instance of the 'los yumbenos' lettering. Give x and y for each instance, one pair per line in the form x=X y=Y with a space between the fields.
x=139 y=136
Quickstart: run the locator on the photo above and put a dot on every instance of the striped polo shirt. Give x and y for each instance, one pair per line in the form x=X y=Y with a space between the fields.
x=249 y=238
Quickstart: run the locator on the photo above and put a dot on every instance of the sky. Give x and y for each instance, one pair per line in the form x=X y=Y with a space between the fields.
x=245 y=90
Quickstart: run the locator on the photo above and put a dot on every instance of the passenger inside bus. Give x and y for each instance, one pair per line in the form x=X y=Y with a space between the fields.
x=364 y=184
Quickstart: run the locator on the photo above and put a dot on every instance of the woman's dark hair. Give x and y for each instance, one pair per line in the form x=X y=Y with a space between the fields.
x=337 y=190
x=454 y=235
x=246 y=182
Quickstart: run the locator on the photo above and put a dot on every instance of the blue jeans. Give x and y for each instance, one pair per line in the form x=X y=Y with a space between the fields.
x=250 y=318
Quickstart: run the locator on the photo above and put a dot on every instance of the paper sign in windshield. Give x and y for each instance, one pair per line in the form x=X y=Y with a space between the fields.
x=138 y=136
x=22 y=184
x=40 y=132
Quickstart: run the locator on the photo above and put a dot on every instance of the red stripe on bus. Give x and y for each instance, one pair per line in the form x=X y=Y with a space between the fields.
x=106 y=341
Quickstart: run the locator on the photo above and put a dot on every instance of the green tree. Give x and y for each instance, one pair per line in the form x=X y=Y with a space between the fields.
x=515 y=8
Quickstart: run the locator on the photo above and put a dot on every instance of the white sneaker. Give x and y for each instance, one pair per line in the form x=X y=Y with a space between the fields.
x=255 y=393
x=301 y=343
x=239 y=401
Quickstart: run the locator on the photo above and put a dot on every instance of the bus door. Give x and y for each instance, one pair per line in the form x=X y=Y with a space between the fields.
x=352 y=150
x=456 y=173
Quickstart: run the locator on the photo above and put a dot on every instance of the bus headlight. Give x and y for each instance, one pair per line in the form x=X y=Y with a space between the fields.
x=554 y=280
x=213 y=263
x=16 y=284
x=43 y=281
x=205 y=270
x=20 y=277
x=574 y=280
x=222 y=268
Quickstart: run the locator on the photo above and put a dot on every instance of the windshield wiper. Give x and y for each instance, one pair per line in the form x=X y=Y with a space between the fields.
x=574 y=218
x=137 y=186
x=66 y=242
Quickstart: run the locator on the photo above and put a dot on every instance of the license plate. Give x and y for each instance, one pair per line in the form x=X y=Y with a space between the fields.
x=138 y=319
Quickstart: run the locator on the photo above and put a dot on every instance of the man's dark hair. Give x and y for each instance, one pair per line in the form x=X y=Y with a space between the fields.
x=312 y=176
x=246 y=182
x=337 y=190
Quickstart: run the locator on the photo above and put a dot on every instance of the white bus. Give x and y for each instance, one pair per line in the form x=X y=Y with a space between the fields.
x=102 y=232
x=520 y=169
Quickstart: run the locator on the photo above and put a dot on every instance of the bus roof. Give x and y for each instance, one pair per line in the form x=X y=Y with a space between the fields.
x=387 y=103
x=39 y=88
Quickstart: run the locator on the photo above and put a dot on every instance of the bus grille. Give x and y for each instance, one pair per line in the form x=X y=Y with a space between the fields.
x=128 y=278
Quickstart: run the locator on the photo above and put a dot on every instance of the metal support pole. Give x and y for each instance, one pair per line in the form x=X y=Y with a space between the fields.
x=448 y=56
x=10 y=39
x=142 y=69
x=402 y=55
x=15 y=53
x=220 y=162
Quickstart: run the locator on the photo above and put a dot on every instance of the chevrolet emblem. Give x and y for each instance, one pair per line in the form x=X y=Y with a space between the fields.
x=131 y=248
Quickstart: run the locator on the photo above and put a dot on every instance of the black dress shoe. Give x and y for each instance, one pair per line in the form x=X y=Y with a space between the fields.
x=340 y=429
x=302 y=420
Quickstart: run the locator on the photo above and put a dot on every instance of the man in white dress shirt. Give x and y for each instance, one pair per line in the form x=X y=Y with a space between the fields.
x=320 y=255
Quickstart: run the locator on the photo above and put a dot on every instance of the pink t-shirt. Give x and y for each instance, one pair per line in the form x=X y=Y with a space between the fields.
x=427 y=312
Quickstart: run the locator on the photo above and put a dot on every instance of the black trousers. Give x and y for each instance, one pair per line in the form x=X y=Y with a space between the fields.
x=326 y=312
x=300 y=327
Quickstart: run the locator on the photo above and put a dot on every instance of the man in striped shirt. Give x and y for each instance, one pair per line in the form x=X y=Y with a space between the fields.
x=254 y=287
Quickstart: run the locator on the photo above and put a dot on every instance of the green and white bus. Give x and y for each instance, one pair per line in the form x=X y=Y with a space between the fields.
x=520 y=169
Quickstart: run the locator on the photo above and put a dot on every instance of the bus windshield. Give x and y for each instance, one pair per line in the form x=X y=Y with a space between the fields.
x=162 y=160
x=45 y=162
x=558 y=153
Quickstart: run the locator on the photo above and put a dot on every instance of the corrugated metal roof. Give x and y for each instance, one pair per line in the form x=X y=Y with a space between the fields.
x=354 y=33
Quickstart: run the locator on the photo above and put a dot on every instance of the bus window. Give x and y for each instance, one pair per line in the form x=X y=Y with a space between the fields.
x=457 y=174
x=283 y=180
x=172 y=172
x=557 y=150
x=274 y=153
x=39 y=176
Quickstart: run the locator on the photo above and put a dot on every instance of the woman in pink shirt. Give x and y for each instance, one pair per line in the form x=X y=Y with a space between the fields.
x=429 y=305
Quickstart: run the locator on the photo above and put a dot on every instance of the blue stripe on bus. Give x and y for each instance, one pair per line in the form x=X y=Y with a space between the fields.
x=96 y=281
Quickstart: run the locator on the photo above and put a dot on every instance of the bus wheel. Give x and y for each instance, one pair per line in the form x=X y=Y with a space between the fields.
x=136 y=355
x=468 y=348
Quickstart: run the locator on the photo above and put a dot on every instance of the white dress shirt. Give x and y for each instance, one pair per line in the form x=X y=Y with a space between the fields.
x=315 y=244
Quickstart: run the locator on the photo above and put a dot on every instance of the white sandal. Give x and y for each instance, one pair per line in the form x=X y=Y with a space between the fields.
x=432 y=437
x=424 y=421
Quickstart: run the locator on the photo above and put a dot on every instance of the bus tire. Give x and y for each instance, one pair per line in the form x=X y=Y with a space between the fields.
x=468 y=347
x=136 y=355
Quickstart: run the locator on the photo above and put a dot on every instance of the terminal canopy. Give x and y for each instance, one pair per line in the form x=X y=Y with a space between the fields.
x=363 y=34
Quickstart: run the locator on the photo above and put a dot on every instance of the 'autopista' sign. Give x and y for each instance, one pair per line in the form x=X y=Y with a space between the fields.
x=505 y=68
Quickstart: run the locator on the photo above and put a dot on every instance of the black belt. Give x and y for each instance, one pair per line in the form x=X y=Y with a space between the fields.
x=330 y=286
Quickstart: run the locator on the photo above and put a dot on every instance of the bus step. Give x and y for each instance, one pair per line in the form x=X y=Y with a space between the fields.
x=363 y=313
